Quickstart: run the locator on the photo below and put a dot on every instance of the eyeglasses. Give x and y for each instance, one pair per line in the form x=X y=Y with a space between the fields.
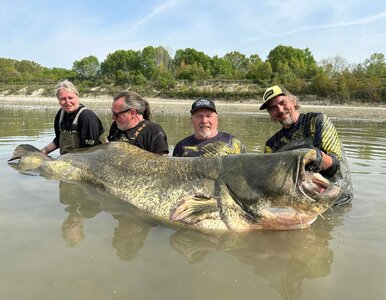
x=116 y=114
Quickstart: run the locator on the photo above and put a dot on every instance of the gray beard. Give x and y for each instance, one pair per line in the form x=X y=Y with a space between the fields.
x=204 y=134
x=286 y=123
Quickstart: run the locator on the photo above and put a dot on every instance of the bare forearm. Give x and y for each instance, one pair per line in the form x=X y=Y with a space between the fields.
x=49 y=148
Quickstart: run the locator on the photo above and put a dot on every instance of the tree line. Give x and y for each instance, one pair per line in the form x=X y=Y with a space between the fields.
x=156 y=71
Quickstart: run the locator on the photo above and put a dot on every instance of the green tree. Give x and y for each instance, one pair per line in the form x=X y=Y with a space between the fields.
x=254 y=59
x=28 y=67
x=192 y=72
x=258 y=70
x=375 y=66
x=190 y=56
x=165 y=80
x=24 y=70
x=56 y=74
x=8 y=71
x=346 y=83
x=286 y=59
x=220 y=68
x=122 y=62
x=156 y=61
x=239 y=64
x=87 y=68
x=322 y=84
x=370 y=76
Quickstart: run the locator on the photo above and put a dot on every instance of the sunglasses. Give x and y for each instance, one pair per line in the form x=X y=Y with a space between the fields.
x=116 y=114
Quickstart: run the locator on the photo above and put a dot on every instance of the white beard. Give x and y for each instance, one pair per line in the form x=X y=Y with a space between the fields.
x=287 y=122
x=204 y=134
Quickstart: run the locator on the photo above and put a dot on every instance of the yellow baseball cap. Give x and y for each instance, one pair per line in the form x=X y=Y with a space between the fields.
x=271 y=93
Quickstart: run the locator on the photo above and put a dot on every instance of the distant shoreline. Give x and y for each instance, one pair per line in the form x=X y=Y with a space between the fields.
x=103 y=103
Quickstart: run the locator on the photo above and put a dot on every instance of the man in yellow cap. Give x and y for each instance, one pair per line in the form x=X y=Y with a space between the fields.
x=310 y=130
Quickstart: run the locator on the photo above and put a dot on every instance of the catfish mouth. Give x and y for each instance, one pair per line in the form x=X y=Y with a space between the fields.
x=318 y=194
x=317 y=188
x=313 y=185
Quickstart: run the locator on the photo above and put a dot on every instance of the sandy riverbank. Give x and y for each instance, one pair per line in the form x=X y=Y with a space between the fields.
x=103 y=103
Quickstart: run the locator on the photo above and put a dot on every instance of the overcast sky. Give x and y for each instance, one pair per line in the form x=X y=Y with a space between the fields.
x=56 y=33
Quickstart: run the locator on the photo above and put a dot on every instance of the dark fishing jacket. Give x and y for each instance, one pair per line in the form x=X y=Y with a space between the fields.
x=222 y=144
x=146 y=135
x=312 y=130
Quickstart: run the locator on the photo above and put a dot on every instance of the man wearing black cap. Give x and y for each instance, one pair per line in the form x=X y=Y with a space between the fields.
x=207 y=140
x=310 y=130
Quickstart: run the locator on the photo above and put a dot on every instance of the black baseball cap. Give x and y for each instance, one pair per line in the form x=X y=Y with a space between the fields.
x=203 y=103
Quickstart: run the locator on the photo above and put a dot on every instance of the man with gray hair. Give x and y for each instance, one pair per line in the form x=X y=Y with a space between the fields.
x=312 y=130
x=207 y=140
x=131 y=123
x=75 y=125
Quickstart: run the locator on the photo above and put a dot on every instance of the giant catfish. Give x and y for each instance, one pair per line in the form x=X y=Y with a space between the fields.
x=232 y=193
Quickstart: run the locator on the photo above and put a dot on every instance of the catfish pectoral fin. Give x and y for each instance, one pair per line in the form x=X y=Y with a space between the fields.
x=193 y=209
x=22 y=150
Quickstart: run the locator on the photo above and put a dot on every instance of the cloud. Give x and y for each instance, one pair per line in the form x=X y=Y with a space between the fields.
x=363 y=21
x=155 y=11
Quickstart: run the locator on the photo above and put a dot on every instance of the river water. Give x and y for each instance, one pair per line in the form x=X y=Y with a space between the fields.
x=62 y=240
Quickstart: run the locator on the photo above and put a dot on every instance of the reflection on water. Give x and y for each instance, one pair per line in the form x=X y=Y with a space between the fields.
x=79 y=207
x=299 y=255
x=25 y=122
x=129 y=236
x=84 y=201
x=112 y=251
x=284 y=259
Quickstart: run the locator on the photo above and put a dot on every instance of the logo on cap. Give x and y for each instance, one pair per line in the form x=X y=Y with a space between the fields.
x=271 y=93
x=203 y=103
x=267 y=94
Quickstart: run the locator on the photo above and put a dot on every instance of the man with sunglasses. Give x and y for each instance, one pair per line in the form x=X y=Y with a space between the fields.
x=131 y=123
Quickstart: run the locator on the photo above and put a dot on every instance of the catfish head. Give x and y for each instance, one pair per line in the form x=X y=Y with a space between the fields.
x=274 y=191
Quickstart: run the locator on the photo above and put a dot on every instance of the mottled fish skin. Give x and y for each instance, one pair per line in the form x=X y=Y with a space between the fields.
x=231 y=193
